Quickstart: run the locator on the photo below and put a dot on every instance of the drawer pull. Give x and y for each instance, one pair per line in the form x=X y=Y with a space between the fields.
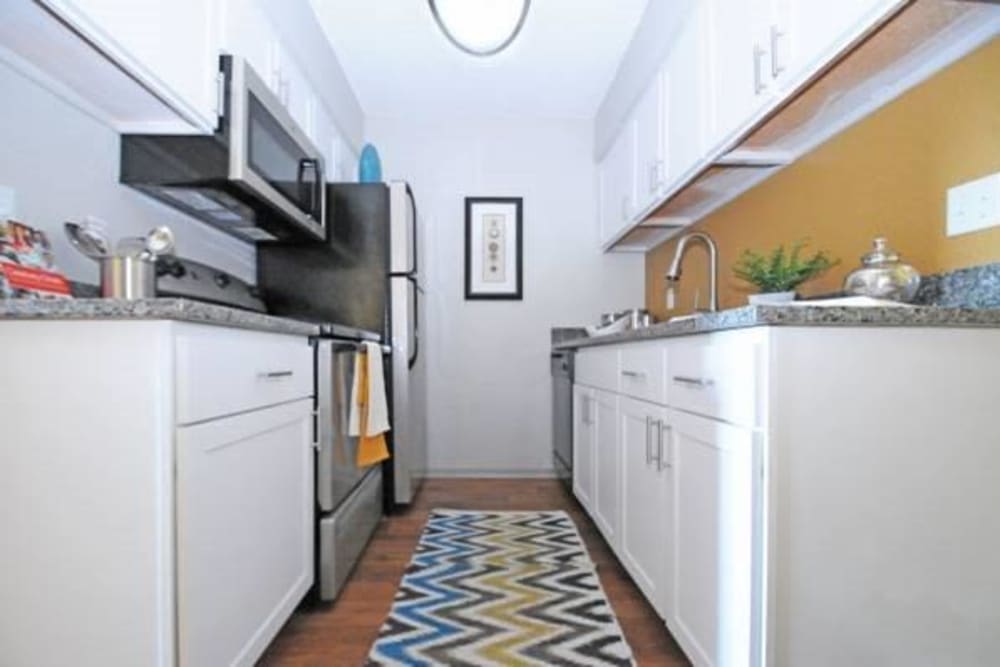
x=633 y=374
x=693 y=382
x=275 y=375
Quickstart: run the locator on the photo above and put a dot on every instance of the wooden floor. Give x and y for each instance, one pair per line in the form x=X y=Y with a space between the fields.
x=340 y=634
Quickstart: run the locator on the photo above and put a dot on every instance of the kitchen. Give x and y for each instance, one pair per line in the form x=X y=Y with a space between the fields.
x=758 y=124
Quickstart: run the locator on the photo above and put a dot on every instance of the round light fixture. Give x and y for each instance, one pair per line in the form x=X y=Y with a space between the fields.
x=480 y=27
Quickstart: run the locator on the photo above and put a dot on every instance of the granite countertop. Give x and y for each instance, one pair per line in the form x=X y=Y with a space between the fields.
x=181 y=310
x=799 y=316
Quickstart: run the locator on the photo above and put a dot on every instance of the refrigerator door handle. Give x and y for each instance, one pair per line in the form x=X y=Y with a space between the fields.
x=413 y=222
x=416 y=322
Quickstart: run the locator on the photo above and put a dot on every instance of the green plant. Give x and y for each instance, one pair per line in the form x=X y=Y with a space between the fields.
x=781 y=271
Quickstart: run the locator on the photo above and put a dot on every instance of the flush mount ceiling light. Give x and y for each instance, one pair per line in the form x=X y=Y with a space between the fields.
x=480 y=27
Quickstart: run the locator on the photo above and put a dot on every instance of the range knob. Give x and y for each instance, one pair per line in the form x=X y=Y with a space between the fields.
x=222 y=280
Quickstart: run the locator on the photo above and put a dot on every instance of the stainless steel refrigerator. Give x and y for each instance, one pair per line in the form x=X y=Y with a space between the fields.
x=365 y=276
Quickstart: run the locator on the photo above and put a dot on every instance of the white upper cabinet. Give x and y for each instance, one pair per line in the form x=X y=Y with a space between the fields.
x=617 y=183
x=739 y=83
x=249 y=35
x=651 y=144
x=685 y=80
x=294 y=89
x=171 y=47
x=806 y=35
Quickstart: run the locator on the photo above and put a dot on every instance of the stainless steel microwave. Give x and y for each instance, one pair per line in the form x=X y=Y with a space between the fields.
x=259 y=177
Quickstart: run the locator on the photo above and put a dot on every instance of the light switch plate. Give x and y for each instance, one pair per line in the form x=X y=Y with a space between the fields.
x=974 y=205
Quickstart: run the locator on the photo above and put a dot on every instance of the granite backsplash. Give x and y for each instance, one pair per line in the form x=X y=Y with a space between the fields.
x=975 y=287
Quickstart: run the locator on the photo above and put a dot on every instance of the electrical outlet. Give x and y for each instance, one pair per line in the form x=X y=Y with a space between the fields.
x=974 y=205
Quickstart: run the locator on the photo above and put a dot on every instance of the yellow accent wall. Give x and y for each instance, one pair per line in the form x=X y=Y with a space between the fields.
x=886 y=175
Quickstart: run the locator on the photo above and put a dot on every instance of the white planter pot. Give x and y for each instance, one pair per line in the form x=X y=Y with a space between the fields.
x=771 y=298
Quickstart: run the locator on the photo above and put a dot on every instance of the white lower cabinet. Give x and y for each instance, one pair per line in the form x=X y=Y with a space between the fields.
x=583 y=446
x=711 y=540
x=646 y=498
x=244 y=514
x=674 y=493
x=804 y=495
x=607 y=491
x=139 y=531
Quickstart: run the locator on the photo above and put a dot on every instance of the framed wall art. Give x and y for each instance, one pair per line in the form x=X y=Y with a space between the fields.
x=493 y=248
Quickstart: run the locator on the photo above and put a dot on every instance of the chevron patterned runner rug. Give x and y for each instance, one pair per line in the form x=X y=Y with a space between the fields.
x=500 y=588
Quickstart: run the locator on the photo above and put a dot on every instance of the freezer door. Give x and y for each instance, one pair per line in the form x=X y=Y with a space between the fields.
x=403 y=229
x=408 y=386
x=336 y=472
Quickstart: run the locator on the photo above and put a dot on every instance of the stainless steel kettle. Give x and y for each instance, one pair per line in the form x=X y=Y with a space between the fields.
x=883 y=276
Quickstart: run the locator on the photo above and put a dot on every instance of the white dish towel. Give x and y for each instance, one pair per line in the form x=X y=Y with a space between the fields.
x=378 y=408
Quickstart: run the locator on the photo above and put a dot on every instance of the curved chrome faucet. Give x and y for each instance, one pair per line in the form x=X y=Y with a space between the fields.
x=673 y=274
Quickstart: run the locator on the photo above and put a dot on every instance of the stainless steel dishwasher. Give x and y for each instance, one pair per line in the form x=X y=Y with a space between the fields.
x=562 y=415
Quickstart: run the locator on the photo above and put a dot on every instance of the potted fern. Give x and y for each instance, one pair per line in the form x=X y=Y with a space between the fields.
x=778 y=274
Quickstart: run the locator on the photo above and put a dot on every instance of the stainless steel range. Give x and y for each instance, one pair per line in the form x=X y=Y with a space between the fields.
x=349 y=499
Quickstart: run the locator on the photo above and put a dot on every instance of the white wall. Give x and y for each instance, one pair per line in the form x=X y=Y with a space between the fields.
x=488 y=362
x=63 y=164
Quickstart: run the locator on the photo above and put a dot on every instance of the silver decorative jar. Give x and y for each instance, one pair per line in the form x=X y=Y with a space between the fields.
x=883 y=276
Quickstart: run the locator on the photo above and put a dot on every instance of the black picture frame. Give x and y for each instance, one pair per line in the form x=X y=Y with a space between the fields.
x=516 y=293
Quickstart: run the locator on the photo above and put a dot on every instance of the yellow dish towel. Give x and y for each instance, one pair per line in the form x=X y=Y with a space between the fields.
x=369 y=417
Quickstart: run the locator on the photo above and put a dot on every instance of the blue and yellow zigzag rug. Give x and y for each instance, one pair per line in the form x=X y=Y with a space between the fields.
x=500 y=588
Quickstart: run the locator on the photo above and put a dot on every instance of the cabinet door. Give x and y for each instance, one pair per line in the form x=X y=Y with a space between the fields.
x=738 y=57
x=170 y=46
x=645 y=498
x=617 y=183
x=244 y=531
x=249 y=35
x=583 y=446
x=295 y=91
x=650 y=144
x=686 y=80
x=805 y=35
x=711 y=610
x=607 y=482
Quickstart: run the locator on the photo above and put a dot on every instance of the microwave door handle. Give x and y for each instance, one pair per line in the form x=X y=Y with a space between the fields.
x=314 y=191
x=317 y=191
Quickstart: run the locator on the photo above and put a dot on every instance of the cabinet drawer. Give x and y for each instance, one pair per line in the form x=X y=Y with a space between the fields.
x=717 y=376
x=643 y=371
x=224 y=371
x=598 y=367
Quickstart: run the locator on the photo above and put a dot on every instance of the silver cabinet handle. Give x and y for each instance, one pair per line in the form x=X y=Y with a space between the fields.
x=694 y=382
x=776 y=66
x=633 y=374
x=758 y=78
x=649 y=440
x=275 y=375
x=662 y=458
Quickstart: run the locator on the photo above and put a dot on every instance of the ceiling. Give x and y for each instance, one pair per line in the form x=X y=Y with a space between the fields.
x=560 y=66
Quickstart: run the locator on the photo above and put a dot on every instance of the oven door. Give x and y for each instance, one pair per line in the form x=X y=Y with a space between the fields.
x=269 y=153
x=336 y=471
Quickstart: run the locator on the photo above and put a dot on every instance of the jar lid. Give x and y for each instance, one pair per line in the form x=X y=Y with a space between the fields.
x=881 y=254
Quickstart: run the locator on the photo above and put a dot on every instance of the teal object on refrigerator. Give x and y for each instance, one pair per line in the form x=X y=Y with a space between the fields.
x=369 y=165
